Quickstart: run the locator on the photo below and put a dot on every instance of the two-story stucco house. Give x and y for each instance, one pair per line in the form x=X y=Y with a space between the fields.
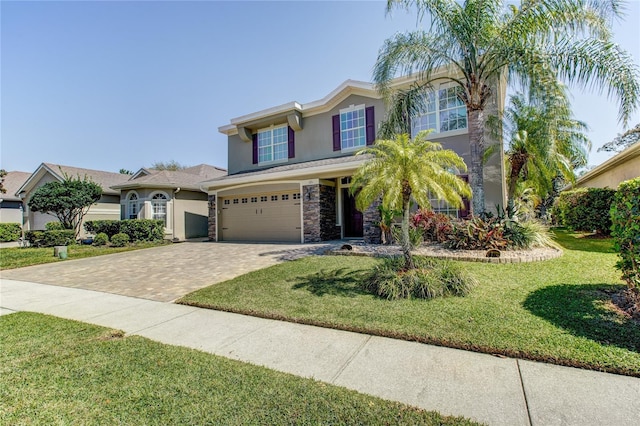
x=289 y=166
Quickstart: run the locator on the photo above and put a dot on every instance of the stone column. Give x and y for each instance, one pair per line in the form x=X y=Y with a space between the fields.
x=328 y=217
x=212 y=218
x=370 y=219
x=311 y=213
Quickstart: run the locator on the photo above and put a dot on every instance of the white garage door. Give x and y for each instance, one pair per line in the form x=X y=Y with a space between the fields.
x=272 y=216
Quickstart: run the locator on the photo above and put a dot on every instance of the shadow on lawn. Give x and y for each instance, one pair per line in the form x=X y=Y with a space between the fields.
x=340 y=282
x=582 y=310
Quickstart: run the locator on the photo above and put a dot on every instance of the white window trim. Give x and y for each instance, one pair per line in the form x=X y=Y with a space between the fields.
x=271 y=129
x=350 y=109
x=166 y=206
x=128 y=202
x=454 y=132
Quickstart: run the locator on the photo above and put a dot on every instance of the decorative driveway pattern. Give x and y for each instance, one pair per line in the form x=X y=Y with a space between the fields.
x=164 y=273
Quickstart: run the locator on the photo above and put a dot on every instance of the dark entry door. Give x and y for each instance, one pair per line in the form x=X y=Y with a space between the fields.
x=352 y=217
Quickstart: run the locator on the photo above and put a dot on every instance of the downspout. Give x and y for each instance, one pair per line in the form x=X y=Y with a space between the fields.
x=173 y=213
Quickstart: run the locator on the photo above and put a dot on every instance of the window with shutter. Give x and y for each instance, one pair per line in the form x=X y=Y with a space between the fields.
x=275 y=144
x=353 y=128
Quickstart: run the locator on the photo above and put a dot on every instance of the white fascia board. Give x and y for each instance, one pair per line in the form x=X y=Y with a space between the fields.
x=629 y=153
x=35 y=177
x=288 y=174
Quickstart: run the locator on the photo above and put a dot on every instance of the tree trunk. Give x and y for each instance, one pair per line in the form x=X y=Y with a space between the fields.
x=476 y=142
x=406 y=242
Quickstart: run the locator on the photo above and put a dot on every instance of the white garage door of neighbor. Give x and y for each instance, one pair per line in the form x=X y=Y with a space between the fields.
x=273 y=216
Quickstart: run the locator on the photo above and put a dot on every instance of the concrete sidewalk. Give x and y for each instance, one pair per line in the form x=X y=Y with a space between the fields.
x=497 y=391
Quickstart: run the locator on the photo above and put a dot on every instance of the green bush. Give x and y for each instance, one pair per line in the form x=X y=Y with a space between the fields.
x=431 y=278
x=101 y=239
x=585 y=209
x=54 y=226
x=109 y=227
x=50 y=238
x=119 y=240
x=143 y=229
x=625 y=218
x=10 y=232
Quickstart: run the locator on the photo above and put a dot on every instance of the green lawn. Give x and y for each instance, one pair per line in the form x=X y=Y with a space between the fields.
x=55 y=371
x=15 y=257
x=555 y=311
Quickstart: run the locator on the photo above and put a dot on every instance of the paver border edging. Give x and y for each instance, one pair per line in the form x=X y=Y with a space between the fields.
x=478 y=255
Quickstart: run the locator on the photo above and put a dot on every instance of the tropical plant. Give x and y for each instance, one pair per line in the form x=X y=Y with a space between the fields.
x=68 y=200
x=483 y=41
x=543 y=141
x=435 y=227
x=387 y=219
x=404 y=169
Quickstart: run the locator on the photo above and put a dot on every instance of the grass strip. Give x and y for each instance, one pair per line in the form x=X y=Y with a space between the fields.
x=55 y=371
x=16 y=257
x=557 y=311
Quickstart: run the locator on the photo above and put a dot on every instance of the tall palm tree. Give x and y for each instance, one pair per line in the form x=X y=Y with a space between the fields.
x=544 y=141
x=482 y=41
x=404 y=169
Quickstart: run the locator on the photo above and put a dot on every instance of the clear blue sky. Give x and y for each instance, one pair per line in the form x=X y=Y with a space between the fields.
x=110 y=85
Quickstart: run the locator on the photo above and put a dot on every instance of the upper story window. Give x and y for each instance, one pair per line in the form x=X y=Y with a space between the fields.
x=445 y=112
x=353 y=128
x=273 y=144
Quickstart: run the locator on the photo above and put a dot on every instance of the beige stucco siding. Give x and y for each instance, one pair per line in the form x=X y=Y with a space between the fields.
x=614 y=176
x=10 y=212
x=190 y=215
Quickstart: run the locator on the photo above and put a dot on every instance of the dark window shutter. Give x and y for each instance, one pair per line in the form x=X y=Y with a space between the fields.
x=336 y=132
x=371 y=125
x=255 y=148
x=292 y=143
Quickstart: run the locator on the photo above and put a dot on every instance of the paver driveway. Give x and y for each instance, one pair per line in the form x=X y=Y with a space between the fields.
x=164 y=273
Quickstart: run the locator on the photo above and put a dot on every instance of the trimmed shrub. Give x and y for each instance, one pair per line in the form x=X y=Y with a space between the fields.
x=109 y=227
x=101 y=239
x=143 y=229
x=54 y=226
x=119 y=240
x=434 y=226
x=431 y=278
x=62 y=237
x=585 y=209
x=625 y=218
x=10 y=232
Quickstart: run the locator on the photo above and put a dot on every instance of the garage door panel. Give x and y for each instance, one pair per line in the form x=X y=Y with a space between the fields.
x=261 y=217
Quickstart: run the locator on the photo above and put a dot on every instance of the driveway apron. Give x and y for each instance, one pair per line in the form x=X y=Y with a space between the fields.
x=164 y=273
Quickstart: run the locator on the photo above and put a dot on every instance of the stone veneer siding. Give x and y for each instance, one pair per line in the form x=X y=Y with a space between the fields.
x=370 y=219
x=328 y=228
x=212 y=218
x=311 y=213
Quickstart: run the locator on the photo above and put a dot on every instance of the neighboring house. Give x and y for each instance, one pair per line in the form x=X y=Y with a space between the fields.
x=108 y=207
x=175 y=197
x=11 y=206
x=622 y=166
x=290 y=165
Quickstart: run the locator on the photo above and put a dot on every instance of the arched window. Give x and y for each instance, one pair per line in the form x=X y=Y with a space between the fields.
x=132 y=205
x=159 y=207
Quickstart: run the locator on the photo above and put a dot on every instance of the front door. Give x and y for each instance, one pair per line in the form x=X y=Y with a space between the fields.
x=352 y=216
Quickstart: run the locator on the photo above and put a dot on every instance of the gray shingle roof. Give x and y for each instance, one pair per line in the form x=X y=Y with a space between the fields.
x=105 y=179
x=189 y=178
x=11 y=183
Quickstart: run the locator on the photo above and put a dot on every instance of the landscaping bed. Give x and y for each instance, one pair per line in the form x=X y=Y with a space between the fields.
x=557 y=311
x=55 y=371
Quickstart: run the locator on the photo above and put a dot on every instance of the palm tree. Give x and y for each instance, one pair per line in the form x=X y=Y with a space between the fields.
x=404 y=169
x=544 y=141
x=483 y=41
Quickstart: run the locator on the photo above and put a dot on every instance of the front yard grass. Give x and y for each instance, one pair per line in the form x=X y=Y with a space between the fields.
x=55 y=371
x=16 y=257
x=557 y=311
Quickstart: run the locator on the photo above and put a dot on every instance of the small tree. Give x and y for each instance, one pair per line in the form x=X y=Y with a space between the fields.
x=172 y=166
x=3 y=173
x=68 y=200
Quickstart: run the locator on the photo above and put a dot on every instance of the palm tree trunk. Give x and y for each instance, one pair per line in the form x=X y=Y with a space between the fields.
x=406 y=243
x=476 y=142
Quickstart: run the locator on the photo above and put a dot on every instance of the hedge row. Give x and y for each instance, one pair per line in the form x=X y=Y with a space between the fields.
x=135 y=229
x=625 y=214
x=61 y=237
x=585 y=209
x=10 y=232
